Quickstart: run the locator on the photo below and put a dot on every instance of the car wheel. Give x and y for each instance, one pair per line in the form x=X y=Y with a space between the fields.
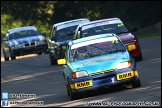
x=5 y=58
x=139 y=58
x=73 y=96
x=13 y=57
x=67 y=90
x=137 y=83
x=39 y=53
x=53 y=62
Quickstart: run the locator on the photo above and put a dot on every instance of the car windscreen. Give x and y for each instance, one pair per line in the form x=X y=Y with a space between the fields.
x=65 y=32
x=102 y=29
x=23 y=33
x=97 y=47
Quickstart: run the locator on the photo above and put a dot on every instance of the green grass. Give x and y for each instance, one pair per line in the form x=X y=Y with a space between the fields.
x=149 y=35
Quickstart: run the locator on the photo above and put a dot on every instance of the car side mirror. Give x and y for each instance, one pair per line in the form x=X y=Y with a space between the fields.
x=52 y=39
x=61 y=62
x=52 y=42
x=133 y=29
x=78 y=35
x=44 y=33
x=131 y=47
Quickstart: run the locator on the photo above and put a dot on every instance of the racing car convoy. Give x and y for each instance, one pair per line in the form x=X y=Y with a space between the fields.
x=22 y=41
x=95 y=54
x=98 y=61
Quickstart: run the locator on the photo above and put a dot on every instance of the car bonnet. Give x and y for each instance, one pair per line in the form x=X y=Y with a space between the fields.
x=99 y=63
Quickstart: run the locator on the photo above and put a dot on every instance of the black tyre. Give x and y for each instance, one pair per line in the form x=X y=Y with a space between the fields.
x=4 y=54
x=67 y=90
x=137 y=83
x=73 y=95
x=139 y=58
x=39 y=53
x=6 y=58
x=13 y=57
x=53 y=62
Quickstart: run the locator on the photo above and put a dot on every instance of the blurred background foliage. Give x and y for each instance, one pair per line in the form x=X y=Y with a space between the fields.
x=43 y=14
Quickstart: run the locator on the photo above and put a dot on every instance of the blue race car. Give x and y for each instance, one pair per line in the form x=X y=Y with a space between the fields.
x=98 y=61
x=22 y=41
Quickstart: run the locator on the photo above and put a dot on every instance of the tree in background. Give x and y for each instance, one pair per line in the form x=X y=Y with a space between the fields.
x=43 y=14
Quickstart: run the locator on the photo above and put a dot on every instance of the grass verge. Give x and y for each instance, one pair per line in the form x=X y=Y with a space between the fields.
x=149 y=35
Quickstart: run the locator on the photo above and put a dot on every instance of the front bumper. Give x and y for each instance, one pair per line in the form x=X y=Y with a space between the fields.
x=103 y=80
x=30 y=50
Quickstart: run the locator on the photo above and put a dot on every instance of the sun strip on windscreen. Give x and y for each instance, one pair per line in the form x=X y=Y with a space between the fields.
x=93 y=41
x=22 y=29
x=99 y=23
x=69 y=24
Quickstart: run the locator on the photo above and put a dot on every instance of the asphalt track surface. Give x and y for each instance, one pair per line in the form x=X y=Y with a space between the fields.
x=36 y=75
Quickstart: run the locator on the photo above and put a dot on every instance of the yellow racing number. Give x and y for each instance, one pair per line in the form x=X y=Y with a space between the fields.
x=115 y=41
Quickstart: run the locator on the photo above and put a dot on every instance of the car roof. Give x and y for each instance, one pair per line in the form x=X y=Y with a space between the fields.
x=110 y=20
x=91 y=37
x=21 y=28
x=81 y=19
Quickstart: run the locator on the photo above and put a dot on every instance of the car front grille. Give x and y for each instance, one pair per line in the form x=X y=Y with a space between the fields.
x=103 y=72
x=29 y=44
x=33 y=43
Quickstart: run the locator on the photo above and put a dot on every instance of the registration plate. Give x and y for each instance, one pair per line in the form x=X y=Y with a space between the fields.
x=83 y=84
x=125 y=75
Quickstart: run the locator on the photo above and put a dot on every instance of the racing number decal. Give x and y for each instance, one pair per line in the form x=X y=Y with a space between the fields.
x=120 y=25
x=115 y=41
x=125 y=75
x=83 y=84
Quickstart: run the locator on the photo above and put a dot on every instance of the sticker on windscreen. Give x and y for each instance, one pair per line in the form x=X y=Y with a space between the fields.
x=120 y=25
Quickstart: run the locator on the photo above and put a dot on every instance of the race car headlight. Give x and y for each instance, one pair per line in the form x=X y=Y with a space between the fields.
x=79 y=74
x=41 y=42
x=122 y=65
x=18 y=46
